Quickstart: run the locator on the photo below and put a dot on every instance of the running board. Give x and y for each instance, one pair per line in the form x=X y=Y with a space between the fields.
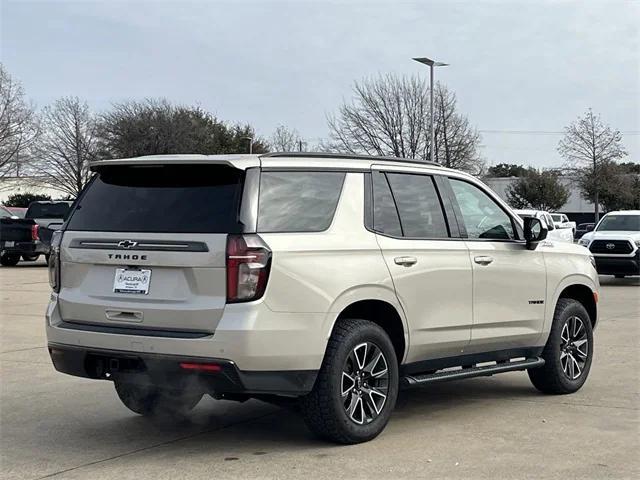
x=470 y=372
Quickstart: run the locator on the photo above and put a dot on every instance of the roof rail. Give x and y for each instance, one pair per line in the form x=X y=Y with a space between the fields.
x=350 y=156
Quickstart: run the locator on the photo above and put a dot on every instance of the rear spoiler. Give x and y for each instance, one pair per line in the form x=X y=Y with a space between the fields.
x=241 y=162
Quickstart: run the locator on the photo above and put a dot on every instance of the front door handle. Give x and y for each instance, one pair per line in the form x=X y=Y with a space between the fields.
x=405 y=261
x=483 y=260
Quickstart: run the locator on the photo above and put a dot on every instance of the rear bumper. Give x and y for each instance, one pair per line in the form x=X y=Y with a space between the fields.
x=24 y=248
x=618 y=265
x=143 y=368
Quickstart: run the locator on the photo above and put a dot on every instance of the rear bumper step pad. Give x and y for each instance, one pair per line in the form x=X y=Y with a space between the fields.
x=470 y=372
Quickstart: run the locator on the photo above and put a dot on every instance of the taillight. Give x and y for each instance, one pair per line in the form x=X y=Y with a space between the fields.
x=248 y=262
x=35 y=232
x=54 y=261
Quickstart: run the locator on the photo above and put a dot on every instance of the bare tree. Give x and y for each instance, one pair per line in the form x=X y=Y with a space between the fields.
x=389 y=115
x=66 y=145
x=17 y=124
x=587 y=146
x=286 y=140
x=456 y=141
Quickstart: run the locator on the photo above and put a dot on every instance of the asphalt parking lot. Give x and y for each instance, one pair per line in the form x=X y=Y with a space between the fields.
x=53 y=425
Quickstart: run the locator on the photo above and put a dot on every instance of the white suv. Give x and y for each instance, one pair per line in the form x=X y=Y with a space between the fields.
x=334 y=280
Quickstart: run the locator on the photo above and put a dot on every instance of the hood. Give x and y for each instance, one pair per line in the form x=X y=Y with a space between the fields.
x=613 y=235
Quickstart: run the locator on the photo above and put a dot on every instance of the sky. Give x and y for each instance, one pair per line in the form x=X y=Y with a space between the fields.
x=522 y=70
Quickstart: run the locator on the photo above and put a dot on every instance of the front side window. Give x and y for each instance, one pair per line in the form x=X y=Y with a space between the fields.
x=483 y=217
x=298 y=201
x=419 y=206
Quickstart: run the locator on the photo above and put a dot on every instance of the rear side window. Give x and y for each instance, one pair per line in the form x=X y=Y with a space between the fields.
x=167 y=198
x=298 y=201
x=419 y=206
x=385 y=214
x=47 y=210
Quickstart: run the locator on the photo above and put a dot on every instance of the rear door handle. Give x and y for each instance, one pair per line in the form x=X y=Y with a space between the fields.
x=405 y=261
x=124 y=316
x=483 y=260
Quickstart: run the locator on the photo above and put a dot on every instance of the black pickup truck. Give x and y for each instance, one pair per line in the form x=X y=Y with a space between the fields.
x=30 y=237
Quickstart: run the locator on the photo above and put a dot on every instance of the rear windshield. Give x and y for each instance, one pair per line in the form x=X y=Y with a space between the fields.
x=47 y=210
x=168 y=198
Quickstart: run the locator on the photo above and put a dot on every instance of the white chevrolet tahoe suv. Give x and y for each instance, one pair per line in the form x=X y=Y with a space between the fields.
x=327 y=279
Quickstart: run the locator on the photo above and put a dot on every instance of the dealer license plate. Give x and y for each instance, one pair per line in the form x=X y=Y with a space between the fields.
x=132 y=281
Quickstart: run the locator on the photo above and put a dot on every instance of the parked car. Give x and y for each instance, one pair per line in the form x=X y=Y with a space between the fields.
x=329 y=279
x=583 y=228
x=554 y=233
x=615 y=243
x=30 y=237
x=562 y=221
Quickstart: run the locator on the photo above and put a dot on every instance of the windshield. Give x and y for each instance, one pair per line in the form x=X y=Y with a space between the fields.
x=620 y=222
x=5 y=213
x=47 y=210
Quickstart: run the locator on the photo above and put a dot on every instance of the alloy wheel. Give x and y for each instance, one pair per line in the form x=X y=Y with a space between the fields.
x=574 y=347
x=364 y=383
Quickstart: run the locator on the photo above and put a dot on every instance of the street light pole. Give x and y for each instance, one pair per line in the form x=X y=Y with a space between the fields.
x=432 y=134
x=250 y=144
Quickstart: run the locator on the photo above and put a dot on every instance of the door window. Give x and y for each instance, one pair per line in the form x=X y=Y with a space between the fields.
x=385 y=214
x=483 y=217
x=419 y=207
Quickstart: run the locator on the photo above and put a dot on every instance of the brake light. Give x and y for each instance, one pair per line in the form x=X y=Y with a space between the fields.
x=54 y=261
x=201 y=367
x=248 y=263
x=35 y=232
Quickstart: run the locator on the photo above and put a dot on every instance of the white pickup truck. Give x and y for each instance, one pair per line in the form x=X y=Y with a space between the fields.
x=555 y=232
x=560 y=220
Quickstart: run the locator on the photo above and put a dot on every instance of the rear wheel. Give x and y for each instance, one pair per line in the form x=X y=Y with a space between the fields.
x=357 y=386
x=9 y=259
x=568 y=352
x=151 y=400
x=30 y=258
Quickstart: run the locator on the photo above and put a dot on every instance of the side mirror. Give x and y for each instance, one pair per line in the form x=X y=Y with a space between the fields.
x=534 y=232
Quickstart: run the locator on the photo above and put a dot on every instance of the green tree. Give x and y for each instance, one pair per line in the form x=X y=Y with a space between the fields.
x=156 y=126
x=507 y=170
x=23 y=200
x=538 y=190
x=617 y=186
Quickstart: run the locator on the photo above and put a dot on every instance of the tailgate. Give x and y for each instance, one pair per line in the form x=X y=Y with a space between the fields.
x=15 y=230
x=146 y=247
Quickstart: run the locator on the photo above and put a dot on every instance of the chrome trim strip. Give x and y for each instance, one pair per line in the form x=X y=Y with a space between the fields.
x=147 y=245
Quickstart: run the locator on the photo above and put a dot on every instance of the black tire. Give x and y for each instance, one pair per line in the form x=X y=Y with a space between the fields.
x=30 y=258
x=9 y=259
x=325 y=408
x=553 y=377
x=150 y=400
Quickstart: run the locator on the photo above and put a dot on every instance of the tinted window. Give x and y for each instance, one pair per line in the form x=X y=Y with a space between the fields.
x=419 y=206
x=171 y=198
x=385 y=215
x=620 y=222
x=47 y=210
x=298 y=201
x=483 y=218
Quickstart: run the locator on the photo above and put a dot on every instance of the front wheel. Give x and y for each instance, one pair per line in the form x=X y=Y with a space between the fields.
x=568 y=352
x=357 y=386
x=151 y=400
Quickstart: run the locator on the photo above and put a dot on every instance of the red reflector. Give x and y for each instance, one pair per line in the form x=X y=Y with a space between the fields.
x=203 y=367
